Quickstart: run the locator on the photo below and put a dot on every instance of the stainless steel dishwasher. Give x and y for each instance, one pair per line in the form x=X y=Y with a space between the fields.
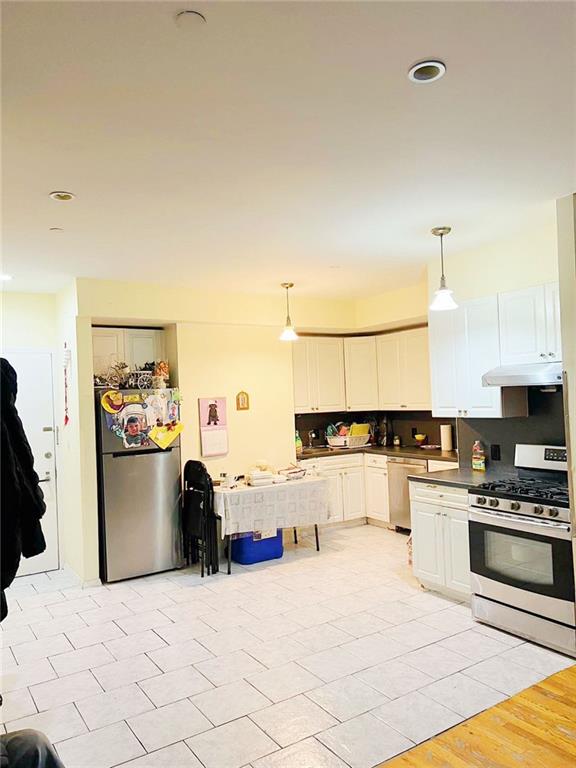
x=398 y=491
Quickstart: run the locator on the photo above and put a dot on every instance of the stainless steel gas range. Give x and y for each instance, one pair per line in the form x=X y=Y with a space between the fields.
x=521 y=561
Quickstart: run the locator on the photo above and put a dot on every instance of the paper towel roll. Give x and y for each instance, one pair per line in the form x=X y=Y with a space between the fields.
x=446 y=437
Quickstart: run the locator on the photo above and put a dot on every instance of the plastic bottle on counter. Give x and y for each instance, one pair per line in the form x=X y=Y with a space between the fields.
x=298 y=444
x=478 y=457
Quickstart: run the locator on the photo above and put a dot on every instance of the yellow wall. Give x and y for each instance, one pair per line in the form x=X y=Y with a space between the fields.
x=29 y=320
x=566 y=208
x=529 y=258
x=222 y=360
x=393 y=308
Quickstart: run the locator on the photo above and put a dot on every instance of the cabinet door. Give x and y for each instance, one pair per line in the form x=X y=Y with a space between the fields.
x=456 y=550
x=388 y=358
x=480 y=353
x=553 y=336
x=427 y=554
x=336 y=499
x=143 y=346
x=523 y=326
x=107 y=348
x=329 y=374
x=445 y=336
x=414 y=370
x=302 y=380
x=377 y=494
x=361 y=373
x=353 y=488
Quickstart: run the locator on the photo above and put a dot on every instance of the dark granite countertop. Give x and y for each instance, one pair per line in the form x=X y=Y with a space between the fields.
x=409 y=452
x=465 y=477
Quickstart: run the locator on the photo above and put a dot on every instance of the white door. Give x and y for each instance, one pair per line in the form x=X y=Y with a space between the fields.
x=427 y=551
x=445 y=337
x=353 y=490
x=456 y=550
x=107 y=348
x=553 y=335
x=415 y=370
x=523 y=326
x=303 y=397
x=388 y=356
x=143 y=345
x=35 y=406
x=361 y=373
x=330 y=388
x=481 y=353
x=335 y=499
x=377 y=494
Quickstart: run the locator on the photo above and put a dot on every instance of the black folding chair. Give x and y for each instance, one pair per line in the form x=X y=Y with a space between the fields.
x=199 y=523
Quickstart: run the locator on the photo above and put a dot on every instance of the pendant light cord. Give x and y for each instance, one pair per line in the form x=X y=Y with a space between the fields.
x=442 y=255
x=288 y=321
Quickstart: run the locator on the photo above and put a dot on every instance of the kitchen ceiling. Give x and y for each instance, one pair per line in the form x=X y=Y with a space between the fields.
x=278 y=141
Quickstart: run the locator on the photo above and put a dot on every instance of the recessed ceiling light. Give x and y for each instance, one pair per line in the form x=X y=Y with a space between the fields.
x=62 y=196
x=189 y=18
x=426 y=71
x=5 y=278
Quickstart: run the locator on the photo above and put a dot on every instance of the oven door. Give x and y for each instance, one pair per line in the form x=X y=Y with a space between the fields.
x=524 y=563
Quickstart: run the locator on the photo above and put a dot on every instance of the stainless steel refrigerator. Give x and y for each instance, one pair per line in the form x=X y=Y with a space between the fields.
x=139 y=482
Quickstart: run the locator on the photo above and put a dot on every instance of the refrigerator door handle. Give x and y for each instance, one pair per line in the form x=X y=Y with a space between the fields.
x=148 y=452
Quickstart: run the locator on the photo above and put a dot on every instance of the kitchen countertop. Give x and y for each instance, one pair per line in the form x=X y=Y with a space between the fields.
x=465 y=477
x=408 y=452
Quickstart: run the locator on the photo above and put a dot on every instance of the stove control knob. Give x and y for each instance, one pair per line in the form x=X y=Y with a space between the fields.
x=553 y=512
x=538 y=510
x=515 y=506
x=481 y=500
x=494 y=502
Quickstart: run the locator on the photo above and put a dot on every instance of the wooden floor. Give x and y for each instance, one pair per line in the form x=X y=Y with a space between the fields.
x=534 y=729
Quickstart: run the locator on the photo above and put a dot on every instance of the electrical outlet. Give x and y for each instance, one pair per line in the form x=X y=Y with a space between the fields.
x=495 y=454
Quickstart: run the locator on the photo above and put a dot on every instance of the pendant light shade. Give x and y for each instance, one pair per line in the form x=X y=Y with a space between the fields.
x=442 y=300
x=289 y=333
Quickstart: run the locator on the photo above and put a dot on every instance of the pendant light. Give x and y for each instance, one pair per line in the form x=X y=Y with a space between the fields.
x=443 y=300
x=288 y=334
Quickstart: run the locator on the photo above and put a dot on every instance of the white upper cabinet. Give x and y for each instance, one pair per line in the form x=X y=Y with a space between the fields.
x=318 y=369
x=445 y=332
x=107 y=348
x=553 y=335
x=143 y=345
x=464 y=345
x=134 y=346
x=523 y=326
x=361 y=373
x=403 y=370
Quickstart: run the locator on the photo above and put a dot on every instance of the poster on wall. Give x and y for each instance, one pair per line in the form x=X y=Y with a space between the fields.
x=213 y=426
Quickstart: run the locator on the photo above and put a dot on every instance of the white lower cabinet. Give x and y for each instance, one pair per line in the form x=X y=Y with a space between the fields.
x=353 y=493
x=345 y=477
x=440 y=547
x=336 y=502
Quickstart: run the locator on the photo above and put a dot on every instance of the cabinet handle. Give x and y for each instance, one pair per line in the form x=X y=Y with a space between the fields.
x=542 y=354
x=551 y=354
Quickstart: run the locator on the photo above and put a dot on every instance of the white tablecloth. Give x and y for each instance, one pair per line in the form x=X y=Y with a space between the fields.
x=286 y=505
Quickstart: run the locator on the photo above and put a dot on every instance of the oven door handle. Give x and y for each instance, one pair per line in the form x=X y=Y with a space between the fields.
x=550 y=528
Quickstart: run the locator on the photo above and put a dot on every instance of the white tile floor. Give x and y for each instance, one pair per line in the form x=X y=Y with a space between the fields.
x=323 y=660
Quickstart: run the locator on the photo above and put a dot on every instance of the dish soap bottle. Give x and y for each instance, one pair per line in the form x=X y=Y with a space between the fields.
x=298 y=444
x=478 y=457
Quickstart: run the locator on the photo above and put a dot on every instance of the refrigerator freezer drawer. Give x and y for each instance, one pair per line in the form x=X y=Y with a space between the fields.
x=141 y=513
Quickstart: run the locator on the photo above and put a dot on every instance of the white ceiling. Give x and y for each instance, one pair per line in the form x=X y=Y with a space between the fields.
x=278 y=141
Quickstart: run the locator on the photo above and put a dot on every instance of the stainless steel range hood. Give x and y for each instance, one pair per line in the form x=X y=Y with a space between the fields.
x=526 y=375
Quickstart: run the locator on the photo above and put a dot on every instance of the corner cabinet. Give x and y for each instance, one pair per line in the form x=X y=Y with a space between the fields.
x=440 y=541
x=403 y=370
x=530 y=325
x=464 y=345
x=361 y=370
x=318 y=372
